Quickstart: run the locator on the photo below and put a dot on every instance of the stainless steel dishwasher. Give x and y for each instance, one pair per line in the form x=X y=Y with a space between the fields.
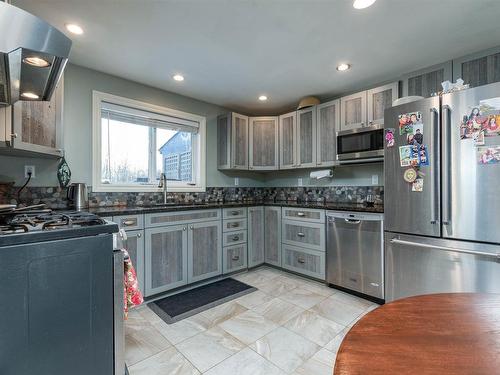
x=354 y=252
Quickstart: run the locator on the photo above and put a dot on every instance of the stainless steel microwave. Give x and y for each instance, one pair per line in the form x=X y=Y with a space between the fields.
x=363 y=145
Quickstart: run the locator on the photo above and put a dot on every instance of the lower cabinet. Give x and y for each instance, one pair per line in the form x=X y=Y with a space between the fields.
x=135 y=249
x=304 y=261
x=272 y=235
x=176 y=255
x=234 y=258
x=255 y=236
x=166 y=253
x=204 y=250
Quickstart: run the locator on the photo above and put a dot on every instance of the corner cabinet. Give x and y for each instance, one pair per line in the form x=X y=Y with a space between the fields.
x=34 y=128
x=272 y=235
x=263 y=143
x=288 y=138
x=306 y=137
x=232 y=141
x=255 y=236
x=326 y=133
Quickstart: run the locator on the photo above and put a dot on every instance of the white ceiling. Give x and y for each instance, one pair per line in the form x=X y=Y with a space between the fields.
x=232 y=51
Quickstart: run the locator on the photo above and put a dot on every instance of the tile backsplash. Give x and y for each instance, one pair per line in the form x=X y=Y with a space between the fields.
x=55 y=197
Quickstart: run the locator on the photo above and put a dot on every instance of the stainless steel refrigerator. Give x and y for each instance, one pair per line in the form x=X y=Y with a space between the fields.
x=442 y=194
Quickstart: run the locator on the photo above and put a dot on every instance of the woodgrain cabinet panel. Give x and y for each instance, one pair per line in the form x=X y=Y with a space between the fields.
x=304 y=214
x=166 y=258
x=305 y=261
x=234 y=258
x=272 y=235
x=232 y=141
x=204 y=250
x=288 y=139
x=256 y=254
x=327 y=127
x=181 y=217
x=303 y=234
x=379 y=99
x=135 y=249
x=306 y=141
x=353 y=111
x=479 y=69
x=263 y=145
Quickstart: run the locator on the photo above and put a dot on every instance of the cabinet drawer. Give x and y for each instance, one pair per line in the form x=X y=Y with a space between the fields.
x=231 y=225
x=234 y=258
x=310 y=235
x=181 y=217
x=304 y=214
x=304 y=261
x=234 y=213
x=129 y=222
x=233 y=238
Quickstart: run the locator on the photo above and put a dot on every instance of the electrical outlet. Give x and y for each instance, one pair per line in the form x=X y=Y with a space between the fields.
x=28 y=169
x=299 y=181
x=236 y=181
x=374 y=179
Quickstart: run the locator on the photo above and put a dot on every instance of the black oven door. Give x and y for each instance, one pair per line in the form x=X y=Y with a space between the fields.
x=362 y=144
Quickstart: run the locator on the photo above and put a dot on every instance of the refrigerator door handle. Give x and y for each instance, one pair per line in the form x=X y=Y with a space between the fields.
x=454 y=249
x=435 y=148
x=446 y=163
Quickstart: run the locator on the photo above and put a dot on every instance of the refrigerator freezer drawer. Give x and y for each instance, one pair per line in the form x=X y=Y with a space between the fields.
x=417 y=265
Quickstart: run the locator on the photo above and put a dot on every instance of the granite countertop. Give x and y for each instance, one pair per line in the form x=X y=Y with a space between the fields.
x=130 y=210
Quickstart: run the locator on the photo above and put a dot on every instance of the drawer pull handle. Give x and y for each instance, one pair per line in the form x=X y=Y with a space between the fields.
x=235 y=225
x=235 y=257
x=236 y=238
x=234 y=213
x=301 y=260
x=300 y=234
x=128 y=222
x=301 y=214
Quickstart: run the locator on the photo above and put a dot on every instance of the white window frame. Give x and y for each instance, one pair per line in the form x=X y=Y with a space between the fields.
x=198 y=152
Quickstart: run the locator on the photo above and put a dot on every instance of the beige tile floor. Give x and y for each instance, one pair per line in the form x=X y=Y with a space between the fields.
x=291 y=325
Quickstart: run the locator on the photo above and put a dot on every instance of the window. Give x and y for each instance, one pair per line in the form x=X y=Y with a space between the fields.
x=135 y=142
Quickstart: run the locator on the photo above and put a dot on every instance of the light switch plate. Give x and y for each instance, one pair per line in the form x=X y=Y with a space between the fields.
x=236 y=181
x=299 y=182
x=374 y=179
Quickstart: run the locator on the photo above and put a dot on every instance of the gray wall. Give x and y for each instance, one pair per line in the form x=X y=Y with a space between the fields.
x=79 y=83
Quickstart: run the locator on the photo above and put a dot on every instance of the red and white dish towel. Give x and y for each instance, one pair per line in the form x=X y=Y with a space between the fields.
x=132 y=293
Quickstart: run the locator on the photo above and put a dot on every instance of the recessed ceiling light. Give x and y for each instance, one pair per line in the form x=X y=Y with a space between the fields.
x=343 y=67
x=29 y=95
x=362 y=4
x=178 y=77
x=74 y=28
x=262 y=98
x=36 y=61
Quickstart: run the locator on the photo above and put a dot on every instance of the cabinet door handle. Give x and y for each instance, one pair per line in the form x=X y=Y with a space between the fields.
x=128 y=222
x=235 y=257
x=235 y=225
x=236 y=238
x=191 y=227
x=300 y=234
x=139 y=235
x=234 y=213
x=301 y=260
x=184 y=228
x=301 y=214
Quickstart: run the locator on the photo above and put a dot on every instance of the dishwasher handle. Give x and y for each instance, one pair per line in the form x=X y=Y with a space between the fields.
x=352 y=221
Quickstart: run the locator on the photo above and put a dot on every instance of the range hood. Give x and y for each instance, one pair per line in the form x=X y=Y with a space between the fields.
x=33 y=55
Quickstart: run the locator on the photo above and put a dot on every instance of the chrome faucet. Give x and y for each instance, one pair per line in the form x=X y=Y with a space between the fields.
x=163 y=185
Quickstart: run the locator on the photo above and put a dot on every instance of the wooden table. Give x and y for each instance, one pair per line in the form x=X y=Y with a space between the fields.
x=431 y=334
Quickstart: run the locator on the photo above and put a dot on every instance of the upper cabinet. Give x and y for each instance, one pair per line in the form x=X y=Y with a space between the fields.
x=263 y=144
x=306 y=137
x=379 y=99
x=232 y=141
x=288 y=137
x=328 y=119
x=34 y=128
x=478 y=69
x=353 y=111
x=367 y=108
x=427 y=81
